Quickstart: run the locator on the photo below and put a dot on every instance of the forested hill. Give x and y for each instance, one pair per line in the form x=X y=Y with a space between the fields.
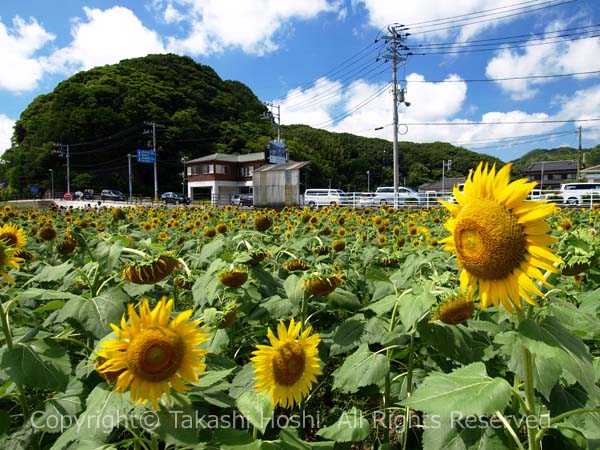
x=592 y=157
x=345 y=158
x=104 y=114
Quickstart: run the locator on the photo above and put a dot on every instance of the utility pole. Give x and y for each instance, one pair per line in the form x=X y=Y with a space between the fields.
x=184 y=160
x=155 y=158
x=68 y=156
x=579 y=154
x=368 y=181
x=52 y=181
x=130 y=177
x=277 y=116
x=395 y=40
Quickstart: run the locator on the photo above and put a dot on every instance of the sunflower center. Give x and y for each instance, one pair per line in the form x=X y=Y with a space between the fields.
x=288 y=363
x=489 y=241
x=155 y=354
x=9 y=239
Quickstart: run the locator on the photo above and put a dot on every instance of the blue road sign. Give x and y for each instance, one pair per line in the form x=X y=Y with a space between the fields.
x=146 y=156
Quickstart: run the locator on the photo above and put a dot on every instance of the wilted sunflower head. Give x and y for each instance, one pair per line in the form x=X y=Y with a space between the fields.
x=262 y=223
x=500 y=238
x=151 y=271
x=233 y=277
x=48 y=233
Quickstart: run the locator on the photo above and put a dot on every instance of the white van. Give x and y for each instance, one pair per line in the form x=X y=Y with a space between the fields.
x=325 y=197
x=406 y=196
x=574 y=193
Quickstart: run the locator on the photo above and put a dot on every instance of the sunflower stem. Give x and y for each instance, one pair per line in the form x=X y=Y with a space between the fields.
x=387 y=385
x=134 y=251
x=10 y=346
x=510 y=430
x=409 y=373
x=532 y=443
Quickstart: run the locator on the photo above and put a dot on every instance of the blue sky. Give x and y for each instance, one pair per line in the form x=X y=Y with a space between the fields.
x=318 y=60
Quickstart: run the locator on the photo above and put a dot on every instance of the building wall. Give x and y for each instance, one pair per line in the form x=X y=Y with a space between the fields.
x=277 y=188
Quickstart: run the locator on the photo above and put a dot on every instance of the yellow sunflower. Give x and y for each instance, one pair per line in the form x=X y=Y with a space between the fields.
x=500 y=239
x=152 y=354
x=287 y=369
x=7 y=258
x=13 y=236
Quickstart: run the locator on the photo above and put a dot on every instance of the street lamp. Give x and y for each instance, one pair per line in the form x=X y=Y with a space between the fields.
x=52 y=181
x=368 y=181
x=184 y=160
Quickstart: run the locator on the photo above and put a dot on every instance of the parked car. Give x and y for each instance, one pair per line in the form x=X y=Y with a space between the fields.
x=235 y=199
x=175 y=198
x=82 y=195
x=406 y=196
x=325 y=197
x=246 y=200
x=366 y=199
x=111 y=194
x=577 y=193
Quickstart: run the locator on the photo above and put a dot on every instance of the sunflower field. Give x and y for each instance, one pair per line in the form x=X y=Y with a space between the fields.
x=471 y=325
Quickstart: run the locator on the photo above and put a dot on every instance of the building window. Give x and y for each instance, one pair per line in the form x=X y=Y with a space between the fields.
x=221 y=169
x=192 y=170
x=557 y=176
x=246 y=171
x=208 y=169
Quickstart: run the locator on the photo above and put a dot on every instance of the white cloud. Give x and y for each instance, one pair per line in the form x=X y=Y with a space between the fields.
x=423 y=16
x=20 y=70
x=430 y=102
x=311 y=106
x=106 y=37
x=549 y=59
x=6 y=131
x=252 y=26
x=583 y=104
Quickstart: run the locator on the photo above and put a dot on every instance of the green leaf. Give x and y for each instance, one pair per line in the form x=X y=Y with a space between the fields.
x=349 y=332
x=257 y=408
x=209 y=378
x=243 y=381
x=375 y=274
x=564 y=399
x=61 y=410
x=468 y=391
x=372 y=368
x=53 y=273
x=104 y=412
x=294 y=288
x=580 y=322
x=546 y=370
x=342 y=299
x=96 y=314
x=210 y=251
x=350 y=427
x=383 y=306
x=232 y=439
x=411 y=307
x=457 y=342
x=550 y=339
x=177 y=426
x=289 y=440
x=471 y=433
x=39 y=363
x=45 y=294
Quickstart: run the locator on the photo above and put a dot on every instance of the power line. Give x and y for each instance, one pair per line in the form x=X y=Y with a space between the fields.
x=525 y=11
x=500 y=123
x=361 y=105
x=480 y=80
x=476 y=12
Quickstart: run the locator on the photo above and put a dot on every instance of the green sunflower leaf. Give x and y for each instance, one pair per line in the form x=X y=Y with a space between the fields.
x=372 y=368
x=289 y=440
x=38 y=363
x=473 y=433
x=257 y=408
x=352 y=426
x=467 y=391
